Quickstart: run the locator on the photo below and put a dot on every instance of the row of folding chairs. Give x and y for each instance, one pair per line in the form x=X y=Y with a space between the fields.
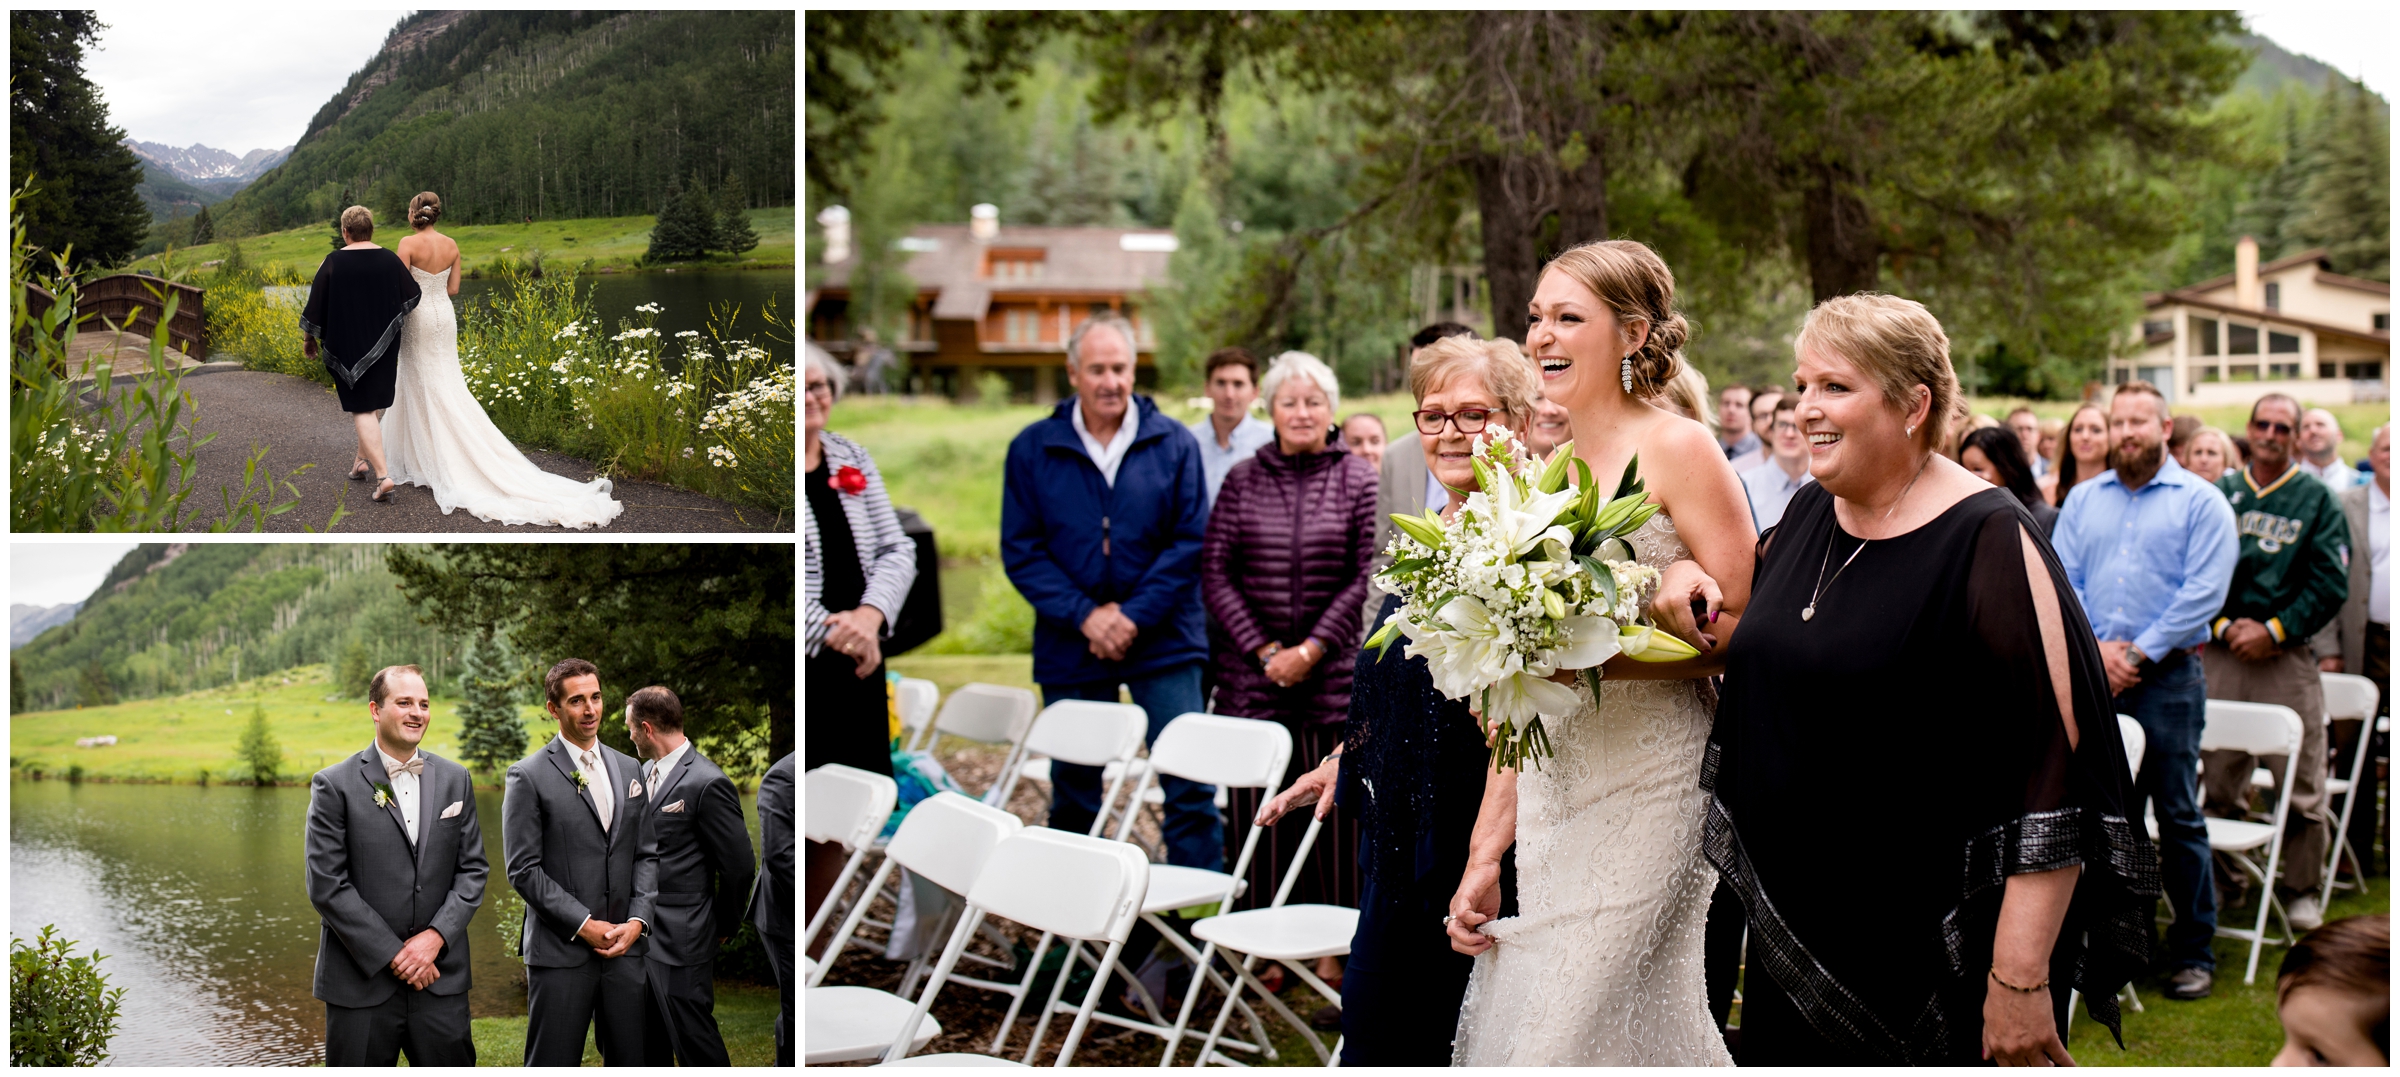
x=1223 y=751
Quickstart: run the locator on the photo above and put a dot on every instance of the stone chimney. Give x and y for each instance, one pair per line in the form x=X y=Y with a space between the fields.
x=2247 y=294
x=836 y=221
x=985 y=226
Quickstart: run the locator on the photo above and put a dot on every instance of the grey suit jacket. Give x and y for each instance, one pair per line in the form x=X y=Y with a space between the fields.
x=564 y=865
x=1400 y=488
x=771 y=900
x=2346 y=634
x=704 y=860
x=373 y=891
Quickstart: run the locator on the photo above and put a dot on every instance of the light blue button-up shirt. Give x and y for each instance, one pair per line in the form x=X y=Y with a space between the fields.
x=2151 y=565
x=1249 y=436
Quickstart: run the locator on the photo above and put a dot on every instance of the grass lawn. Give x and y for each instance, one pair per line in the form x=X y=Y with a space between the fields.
x=182 y=738
x=745 y=1017
x=2235 y=1026
x=949 y=671
x=613 y=243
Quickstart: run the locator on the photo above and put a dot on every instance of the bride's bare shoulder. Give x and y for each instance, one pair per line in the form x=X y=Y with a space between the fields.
x=1673 y=436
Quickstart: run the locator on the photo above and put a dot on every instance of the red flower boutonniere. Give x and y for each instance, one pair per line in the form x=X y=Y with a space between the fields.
x=849 y=480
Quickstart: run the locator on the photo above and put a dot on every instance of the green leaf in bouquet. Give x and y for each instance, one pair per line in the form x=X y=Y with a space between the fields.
x=1413 y=564
x=1631 y=483
x=1554 y=477
x=1603 y=577
x=1484 y=479
x=1383 y=639
x=1427 y=532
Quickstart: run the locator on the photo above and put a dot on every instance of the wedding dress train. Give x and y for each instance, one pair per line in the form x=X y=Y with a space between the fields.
x=436 y=434
x=1602 y=966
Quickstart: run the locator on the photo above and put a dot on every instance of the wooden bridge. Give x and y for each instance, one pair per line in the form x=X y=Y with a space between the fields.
x=118 y=316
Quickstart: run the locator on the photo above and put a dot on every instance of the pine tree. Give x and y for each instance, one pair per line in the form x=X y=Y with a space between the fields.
x=339 y=240
x=203 y=231
x=734 y=234
x=84 y=180
x=355 y=670
x=2346 y=204
x=490 y=735
x=259 y=749
x=684 y=226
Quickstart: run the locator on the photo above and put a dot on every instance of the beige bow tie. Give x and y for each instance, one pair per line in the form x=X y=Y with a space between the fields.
x=415 y=765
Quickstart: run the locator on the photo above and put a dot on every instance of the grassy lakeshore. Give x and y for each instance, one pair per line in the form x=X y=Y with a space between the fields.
x=611 y=244
x=191 y=738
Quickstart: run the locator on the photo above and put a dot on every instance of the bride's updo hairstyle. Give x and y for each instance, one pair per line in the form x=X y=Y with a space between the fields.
x=1897 y=344
x=358 y=223
x=424 y=209
x=1638 y=288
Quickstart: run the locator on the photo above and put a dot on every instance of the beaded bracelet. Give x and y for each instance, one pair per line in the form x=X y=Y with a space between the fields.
x=2020 y=990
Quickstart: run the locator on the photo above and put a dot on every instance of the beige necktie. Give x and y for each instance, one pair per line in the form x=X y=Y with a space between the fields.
x=596 y=776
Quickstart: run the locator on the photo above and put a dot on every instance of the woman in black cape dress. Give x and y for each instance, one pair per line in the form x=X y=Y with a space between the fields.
x=1880 y=769
x=361 y=295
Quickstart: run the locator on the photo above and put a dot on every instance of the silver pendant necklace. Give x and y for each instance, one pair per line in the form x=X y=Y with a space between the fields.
x=1809 y=613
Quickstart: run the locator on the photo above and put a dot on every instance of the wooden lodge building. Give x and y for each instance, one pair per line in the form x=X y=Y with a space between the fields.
x=2291 y=325
x=996 y=301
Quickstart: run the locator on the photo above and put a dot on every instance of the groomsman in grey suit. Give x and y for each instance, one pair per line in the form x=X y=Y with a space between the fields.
x=395 y=869
x=704 y=872
x=771 y=901
x=579 y=850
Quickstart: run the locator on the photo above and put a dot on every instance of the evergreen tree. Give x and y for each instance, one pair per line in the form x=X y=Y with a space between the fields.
x=490 y=734
x=203 y=231
x=340 y=241
x=355 y=670
x=259 y=750
x=684 y=226
x=97 y=690
x=733 y=233
x=2345 y=206
x=61 y=142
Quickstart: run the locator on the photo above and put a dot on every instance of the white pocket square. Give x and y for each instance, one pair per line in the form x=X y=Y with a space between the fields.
x=634 y=790
x=453 y=809
x=677 y=806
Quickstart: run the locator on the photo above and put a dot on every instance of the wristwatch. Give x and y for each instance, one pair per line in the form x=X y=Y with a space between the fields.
x=1273 y=649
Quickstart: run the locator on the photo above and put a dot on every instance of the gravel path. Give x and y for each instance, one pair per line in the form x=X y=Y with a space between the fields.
x=299 y=421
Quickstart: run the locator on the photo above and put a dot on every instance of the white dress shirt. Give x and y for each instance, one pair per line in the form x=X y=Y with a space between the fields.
x=665 y=765
x=404 y=790
x=1107 y=457
x=2379 y=547
x=1770 y=491
x=595 y=776
x=2338 y=475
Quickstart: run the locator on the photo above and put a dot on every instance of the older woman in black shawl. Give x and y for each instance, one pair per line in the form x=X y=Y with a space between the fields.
x=1910 y=627
x=355 y=306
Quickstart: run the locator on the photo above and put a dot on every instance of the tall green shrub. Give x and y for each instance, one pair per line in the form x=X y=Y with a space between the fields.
x=61 y=1011
x=259 y=750
x=490 y=734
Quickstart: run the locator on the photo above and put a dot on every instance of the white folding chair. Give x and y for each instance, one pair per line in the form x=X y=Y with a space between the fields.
x=1294 y=935
x=1070 y=885
x=2348 y=698
x=1217 y=750
x=1093 y=734
x=918 y=698
x=947 y=838
x=2259 y=729
x=846 y=805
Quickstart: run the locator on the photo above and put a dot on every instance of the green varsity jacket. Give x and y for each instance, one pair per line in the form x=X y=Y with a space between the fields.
x=2294 y=569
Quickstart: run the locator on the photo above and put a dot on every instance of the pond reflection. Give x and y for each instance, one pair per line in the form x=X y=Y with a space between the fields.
x=199 y=898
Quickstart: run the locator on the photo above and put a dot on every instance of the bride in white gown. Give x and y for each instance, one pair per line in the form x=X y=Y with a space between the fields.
x=436 y=434
x=1603 y=963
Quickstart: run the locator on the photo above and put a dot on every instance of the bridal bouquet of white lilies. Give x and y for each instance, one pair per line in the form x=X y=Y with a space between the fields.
x=1528 y=578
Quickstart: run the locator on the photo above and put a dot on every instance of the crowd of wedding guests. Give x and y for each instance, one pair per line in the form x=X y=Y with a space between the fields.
x=1225 y=566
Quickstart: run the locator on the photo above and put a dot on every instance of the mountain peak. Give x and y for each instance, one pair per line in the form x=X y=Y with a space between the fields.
x=199 y=161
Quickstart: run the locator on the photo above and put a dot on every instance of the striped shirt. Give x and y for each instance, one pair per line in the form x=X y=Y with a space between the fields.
x=887 y=555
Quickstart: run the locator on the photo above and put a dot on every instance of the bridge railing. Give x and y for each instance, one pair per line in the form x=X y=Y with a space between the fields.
x=141 y=299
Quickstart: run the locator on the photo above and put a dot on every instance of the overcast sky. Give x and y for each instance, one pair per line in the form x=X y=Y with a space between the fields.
x=56 y=573
x=236 y=79
x=2357 y=41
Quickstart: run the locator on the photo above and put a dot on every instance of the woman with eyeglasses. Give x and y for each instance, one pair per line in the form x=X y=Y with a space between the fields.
x=1410 y=763
x=859 y=567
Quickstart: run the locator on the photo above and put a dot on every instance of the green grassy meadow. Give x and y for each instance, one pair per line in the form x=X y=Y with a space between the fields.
x=612 y=244
x=745 y=1017
x=191 y=738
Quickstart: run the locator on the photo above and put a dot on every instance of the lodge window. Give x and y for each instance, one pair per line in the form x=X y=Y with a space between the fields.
x=2383 y=321
x=1024 y=326
x=2283 y=370
x=2204 y=331
x=2363 y=371
x=2326 y=370
x=2209 y=372
x=2241 y=339
x=2282 y=343
x=2274 y=295
x=2244 y=372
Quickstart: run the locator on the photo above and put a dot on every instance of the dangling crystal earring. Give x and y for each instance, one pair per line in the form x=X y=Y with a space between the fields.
x=1625 y=373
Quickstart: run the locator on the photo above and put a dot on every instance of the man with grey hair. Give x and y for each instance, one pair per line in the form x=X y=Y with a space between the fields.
x=2321 y=451
x=1101 y=512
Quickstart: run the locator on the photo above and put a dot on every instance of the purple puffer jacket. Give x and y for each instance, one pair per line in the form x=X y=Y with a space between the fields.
x=1285 y=559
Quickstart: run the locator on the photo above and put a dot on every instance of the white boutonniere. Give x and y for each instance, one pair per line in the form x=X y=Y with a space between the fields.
x=581 y=782
x=383 y=795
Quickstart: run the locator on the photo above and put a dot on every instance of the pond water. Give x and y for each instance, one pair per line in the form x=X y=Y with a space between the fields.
x=198 y=898
x=686 y=297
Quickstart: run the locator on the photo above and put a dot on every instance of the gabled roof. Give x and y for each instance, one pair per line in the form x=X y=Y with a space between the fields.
x=1074 y=260
x=2155 y=300
x=2313 y=254
x=2359 y=284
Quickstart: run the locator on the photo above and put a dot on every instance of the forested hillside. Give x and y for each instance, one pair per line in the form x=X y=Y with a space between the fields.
x=545 y=114
x=171 y=618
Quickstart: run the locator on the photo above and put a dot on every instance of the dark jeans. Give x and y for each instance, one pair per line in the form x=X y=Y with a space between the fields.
x=2171 y=704
x=1194 y=832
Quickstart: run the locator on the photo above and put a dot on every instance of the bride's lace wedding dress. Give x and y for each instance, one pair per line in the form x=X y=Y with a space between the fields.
x=437 y=436
x=1602 y=966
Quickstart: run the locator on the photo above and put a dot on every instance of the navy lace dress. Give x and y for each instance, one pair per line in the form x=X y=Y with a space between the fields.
x=1413 y=767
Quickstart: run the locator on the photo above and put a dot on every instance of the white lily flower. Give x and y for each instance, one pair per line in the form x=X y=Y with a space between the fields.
x=1516 y=698
x=1519 y=522
x=1590 y=641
